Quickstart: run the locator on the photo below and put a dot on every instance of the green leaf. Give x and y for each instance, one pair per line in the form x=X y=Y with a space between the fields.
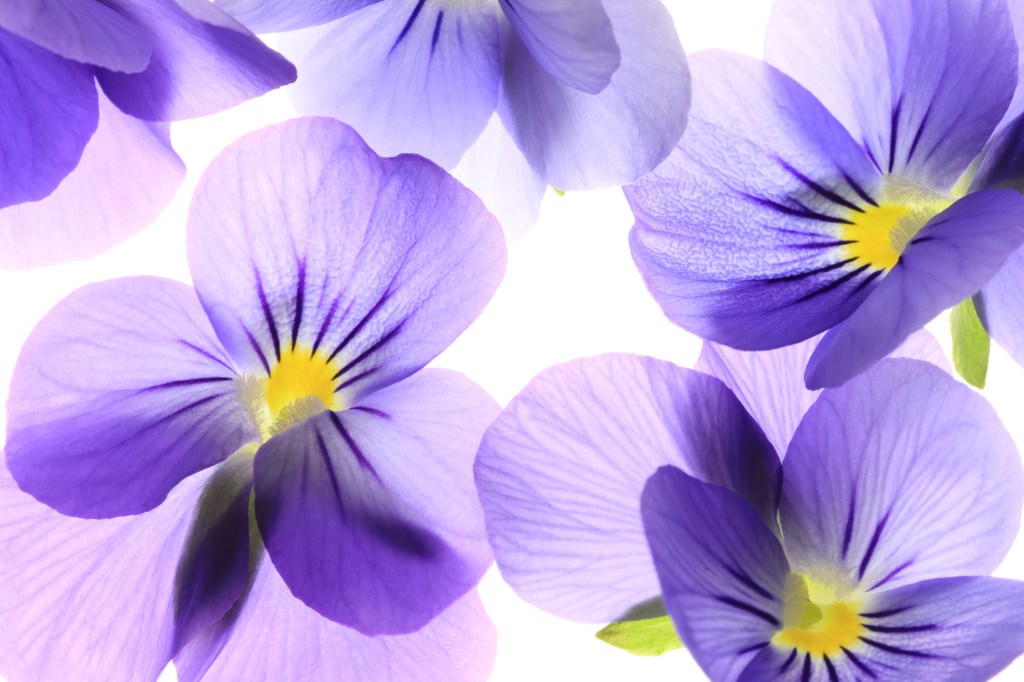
x=559 y=192
x=971 y=343
x=646 y=637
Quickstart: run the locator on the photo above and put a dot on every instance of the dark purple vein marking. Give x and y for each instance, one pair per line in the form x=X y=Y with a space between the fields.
x=821 y=190
x=805 y=675
x=268 y=314
x=833 y=676
x=858 y=189
x=370 y=314
x=788 y=662
x=752 y=610
x=920 y=131
x=850 y=516
x=872 y=545
x=823 y=245
x=352 y=445
x=832 y=285
x=300 y=296
x=899 y=629
x=894 y=128
x=371 y=410
x=886 y=613
x=892 y=574
x=326 y=323
x=330 y=468
x=206 y=354
x=750 y=583
x=358 y=377
x=752 y=648
x=859 y=663
x=811 y=273
x=259 y=351
x=381 y=342
x=437 y=32
x=800 y=211
x=895 y=649
x=186 y=382
x=875 y=274
x=408 y=25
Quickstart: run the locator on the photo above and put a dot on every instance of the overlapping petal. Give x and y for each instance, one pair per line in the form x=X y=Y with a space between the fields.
x=1003 y=165
x=921 y=84
x=571 y=39
x=85 y=31
x=722 y=571
x=1000 y=306
x=770 y=383
x=424 y=76
x=953 y=256
x=197 y=66
x=272 y=636
x=121 y=392
x=89 y=600
x=739 y=233
x=370 y=515
x=263 y=16
x=48 y=112
x=126 y=176
x=561 y=470
x=576 y=140
x=901 y=475
x=300 y=235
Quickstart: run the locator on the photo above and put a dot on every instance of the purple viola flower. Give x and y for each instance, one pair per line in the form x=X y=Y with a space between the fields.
x=819 y=191
x=593 y=92
x=82 y=168
x=295 y=492
x=892 y=488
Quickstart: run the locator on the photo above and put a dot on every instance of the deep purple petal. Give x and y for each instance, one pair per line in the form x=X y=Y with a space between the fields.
x=375 y=263
x=921 y=84
x=576 y=140
x=948 y=629
x=48 y=112
x=213 y=569
x=370 y=515
x=272 y=636
x=951 y=258
x=1000 y=306
x=120 y=392
x=571 y=39
x=740 y=233
x=127 y=175
x=197 y=67
x=82 y=30
x=1017 y=105
x=722 y=571
x=421 y=77
x=902 y=474
x=1003 y=165
x=89 y=600
x=271 y=16
x=561 y=470
x=770 y=384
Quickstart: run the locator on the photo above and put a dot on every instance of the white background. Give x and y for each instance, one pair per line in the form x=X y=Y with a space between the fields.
x=571 y=290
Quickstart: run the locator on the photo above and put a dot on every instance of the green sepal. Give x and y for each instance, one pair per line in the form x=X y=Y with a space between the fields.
x=559 y=192
x=971 y=343
x=646 y=637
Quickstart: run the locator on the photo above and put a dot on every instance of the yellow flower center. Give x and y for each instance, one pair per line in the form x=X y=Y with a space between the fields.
x=300 y=385
x=879 y=234
x=815 y=621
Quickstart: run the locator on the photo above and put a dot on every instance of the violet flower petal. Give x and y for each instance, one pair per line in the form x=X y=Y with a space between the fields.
x=1003 y=165
x=127 y=175
x=48 y=112
x=561 y=470
x=1000 y=306
x=370 y=515
x=770 y=383
x=377 y=263
x=575 y=140
x=722 y=571
x=85 y=31
x=273 y=636
x=424 y=77
x=951 y=258
x=739 y=234
x=944 y=629
x=903 y=474
x=197 y=67
x=571 y=39
x=89 y=600
x=922 y=85
x=121 y=392
x=271 y=16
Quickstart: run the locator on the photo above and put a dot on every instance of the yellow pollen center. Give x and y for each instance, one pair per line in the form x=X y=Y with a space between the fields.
x=814 y=622
x=298 y=375
x=879 y=234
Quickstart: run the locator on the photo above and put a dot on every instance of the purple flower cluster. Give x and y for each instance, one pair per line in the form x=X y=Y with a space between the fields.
x=82 y=169
x=257 y=477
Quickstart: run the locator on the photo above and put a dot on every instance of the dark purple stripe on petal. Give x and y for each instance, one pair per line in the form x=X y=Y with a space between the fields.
x=437 y=32
x=358 y=377
x=750 y=583
x=372 y=410
x=822 y=245
x=800 y=211
x=872 y=545
x=894 y=126
x=805 y=676
x=330 y=469
x=205 y=354
x=875 y=274
x=850 y=516
x=753 y=610
x=259 y=351
x=820 y=189
x=381 y=342
x=300 y=297
x=895 y=629
x=408 y=25
x=752 y=648
x=861 y=192
x=886 y=613
x=833 y=676
x=327 y=323
x=895 y=649
x=871 y=156
x=268 y=314
x=811 y=273
x=186 y=382
x=362 y=323
x=352 y=445
x=832 y=285
x=788 y=662
x=892 y=574
x=859 y=663
x=917 y=135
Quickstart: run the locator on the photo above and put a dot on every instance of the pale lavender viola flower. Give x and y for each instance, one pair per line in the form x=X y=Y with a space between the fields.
x=819 y=190
x=293 y=491
x=892 y=488
x=593 y=92
x=85 y=86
